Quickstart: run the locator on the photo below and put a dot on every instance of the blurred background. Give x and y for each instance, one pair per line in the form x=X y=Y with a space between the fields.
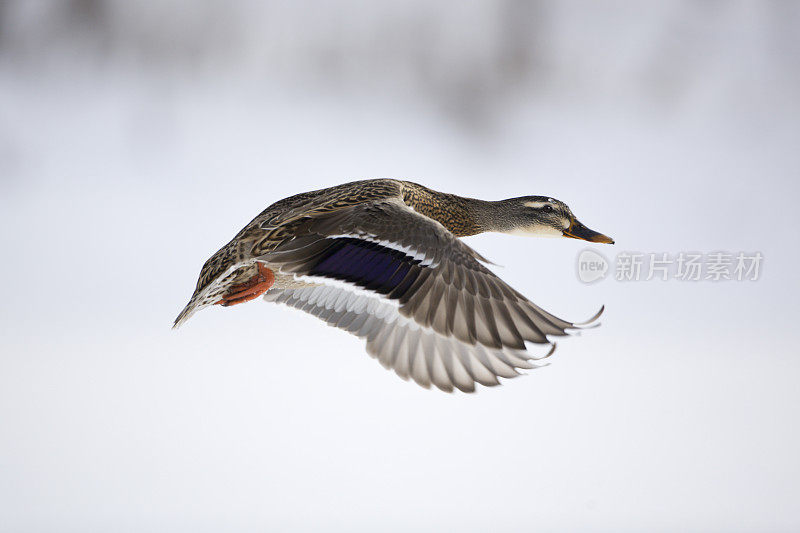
x=136 y=138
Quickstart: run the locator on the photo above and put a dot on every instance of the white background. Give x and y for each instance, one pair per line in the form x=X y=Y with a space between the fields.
x=138 y=138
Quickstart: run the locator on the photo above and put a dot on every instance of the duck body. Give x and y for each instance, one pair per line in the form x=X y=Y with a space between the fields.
x=381 y=259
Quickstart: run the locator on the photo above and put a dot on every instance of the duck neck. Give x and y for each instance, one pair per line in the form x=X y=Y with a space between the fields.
x=462 y=216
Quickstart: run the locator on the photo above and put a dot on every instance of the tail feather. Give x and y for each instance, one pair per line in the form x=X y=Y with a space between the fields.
x=191 y=308
x=209 y=293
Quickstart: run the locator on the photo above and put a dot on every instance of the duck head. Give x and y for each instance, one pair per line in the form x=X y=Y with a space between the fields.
x=542 y=216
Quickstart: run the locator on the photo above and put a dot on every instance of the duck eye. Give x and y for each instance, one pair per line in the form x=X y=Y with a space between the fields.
x=547 y=208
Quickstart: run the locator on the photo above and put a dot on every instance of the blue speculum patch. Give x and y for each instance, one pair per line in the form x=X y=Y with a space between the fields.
x=368 y=265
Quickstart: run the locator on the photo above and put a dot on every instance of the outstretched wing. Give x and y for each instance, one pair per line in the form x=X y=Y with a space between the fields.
x=400 y=344
x=423 y=300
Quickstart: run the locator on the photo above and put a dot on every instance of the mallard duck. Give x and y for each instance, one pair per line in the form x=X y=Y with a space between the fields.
x=382 y=260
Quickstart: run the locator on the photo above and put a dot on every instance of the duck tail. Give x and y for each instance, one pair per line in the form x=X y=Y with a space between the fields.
x=191 y=308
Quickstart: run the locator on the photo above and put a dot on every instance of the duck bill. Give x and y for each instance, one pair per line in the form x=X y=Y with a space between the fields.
x=576 y=230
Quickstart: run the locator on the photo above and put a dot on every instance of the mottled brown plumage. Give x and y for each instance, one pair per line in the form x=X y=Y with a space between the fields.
x=276 y=223
x=422 y=299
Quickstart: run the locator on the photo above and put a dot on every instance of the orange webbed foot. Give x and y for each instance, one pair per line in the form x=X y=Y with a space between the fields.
x=250 y=289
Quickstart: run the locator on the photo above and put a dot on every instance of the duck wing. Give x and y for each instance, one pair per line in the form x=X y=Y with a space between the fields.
x=423 y=300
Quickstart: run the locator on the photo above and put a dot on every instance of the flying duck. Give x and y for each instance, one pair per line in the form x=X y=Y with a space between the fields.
x=382 y=260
